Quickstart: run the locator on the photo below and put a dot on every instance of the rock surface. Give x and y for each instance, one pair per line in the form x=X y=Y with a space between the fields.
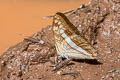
x=33 y=58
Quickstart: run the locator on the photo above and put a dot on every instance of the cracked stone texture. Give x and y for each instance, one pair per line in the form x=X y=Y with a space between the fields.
x=33 y=58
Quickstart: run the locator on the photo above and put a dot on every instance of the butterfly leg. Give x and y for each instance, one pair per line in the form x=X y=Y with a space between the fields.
x=61 y=64
x=58 y=59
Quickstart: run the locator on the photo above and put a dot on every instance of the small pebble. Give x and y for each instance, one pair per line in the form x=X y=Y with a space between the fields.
x=9 y=73
x=83 y=6
x=19 y=74
x=23 y=67
x=103 y=78
x=41 y=42
x=59 y=72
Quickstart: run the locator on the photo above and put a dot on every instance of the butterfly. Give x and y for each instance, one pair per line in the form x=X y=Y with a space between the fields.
x=68 y=42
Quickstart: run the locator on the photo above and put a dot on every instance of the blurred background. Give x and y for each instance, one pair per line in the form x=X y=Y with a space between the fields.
x=22 y=18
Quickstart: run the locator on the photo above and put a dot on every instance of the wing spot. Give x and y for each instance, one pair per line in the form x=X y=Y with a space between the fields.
x=61 y=31
x=56 y=21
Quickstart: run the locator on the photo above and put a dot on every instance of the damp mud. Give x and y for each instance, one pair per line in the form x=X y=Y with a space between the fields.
x=22 y=18
x=34 y=57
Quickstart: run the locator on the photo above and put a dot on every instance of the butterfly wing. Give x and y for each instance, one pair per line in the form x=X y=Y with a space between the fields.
x=68 y=42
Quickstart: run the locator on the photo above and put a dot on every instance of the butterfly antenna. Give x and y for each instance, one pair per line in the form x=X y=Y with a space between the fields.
x=67 y=12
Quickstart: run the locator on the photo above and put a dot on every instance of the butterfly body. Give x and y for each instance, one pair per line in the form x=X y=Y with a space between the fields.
x=68 y=42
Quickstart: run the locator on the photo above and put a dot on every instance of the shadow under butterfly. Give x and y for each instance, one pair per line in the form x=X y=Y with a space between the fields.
x=69 y=44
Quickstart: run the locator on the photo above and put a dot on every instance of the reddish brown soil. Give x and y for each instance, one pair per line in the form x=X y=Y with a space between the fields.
x=33 y=58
